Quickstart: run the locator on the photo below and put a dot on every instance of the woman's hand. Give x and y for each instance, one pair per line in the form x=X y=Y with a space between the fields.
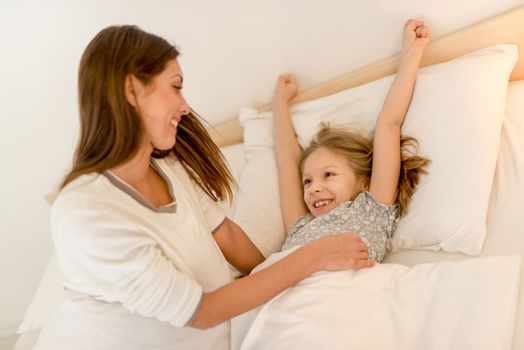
x=285 y=90
x=416 y=36
x=343 y=251
x=339 y=252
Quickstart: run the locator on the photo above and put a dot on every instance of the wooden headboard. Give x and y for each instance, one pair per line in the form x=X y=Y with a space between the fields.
x=502 y=29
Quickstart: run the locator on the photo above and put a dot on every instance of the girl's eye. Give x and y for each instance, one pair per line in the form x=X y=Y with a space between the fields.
x=307 y=182
x=328 y=174
x=177 y=87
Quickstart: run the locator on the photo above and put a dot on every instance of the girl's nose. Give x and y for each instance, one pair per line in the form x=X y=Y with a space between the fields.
x=315 y=187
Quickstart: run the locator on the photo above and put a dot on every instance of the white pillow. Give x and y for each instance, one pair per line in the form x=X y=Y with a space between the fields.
x=456 y=114
x=234 y=155
x=257 y=208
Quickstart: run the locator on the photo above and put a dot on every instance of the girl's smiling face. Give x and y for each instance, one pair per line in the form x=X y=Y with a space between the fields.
x=328 y=181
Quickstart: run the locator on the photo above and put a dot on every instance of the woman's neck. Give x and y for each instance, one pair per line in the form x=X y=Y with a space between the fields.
x=135 y=171
x=138 y=173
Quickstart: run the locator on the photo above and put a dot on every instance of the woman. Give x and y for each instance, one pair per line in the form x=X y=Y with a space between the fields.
x=139 y=236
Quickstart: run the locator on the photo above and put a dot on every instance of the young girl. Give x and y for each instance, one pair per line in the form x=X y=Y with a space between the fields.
x=344 y=182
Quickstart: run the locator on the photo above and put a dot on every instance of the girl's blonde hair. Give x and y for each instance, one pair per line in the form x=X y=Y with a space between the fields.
x=358 y=150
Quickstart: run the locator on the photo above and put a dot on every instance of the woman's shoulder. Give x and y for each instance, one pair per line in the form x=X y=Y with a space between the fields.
x=87 y=190
x=91 y=206
x=82 y=185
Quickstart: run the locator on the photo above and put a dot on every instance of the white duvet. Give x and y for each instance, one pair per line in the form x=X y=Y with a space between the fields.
x=446 y=305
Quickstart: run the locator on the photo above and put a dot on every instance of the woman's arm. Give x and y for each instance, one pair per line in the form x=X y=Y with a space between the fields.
x=236 y=246
x=287 y=154
x=386 y=147
x=339 y=252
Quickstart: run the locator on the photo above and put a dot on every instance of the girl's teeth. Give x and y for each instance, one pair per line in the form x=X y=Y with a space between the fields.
x=321 y=204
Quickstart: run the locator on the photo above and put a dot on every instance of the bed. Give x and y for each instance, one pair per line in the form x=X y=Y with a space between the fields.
x=463 y=236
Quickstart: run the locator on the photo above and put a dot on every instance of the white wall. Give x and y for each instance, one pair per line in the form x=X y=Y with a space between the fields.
x=232 y=52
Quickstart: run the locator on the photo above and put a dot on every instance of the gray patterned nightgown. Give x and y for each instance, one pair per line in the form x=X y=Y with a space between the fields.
x=371 y=220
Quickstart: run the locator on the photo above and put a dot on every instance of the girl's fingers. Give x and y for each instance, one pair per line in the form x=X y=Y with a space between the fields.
x=411 y=24
x=422 y=32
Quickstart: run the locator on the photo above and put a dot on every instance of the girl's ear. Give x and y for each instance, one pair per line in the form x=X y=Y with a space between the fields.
x=132 y=85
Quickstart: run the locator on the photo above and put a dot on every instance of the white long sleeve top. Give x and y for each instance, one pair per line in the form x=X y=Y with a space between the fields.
x=143 y=268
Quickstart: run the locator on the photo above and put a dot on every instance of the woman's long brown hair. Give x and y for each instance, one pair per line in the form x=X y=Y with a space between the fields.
x=110 y=128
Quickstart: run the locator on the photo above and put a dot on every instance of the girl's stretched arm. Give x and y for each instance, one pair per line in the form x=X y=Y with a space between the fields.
x=386 y=146
x=287 y=153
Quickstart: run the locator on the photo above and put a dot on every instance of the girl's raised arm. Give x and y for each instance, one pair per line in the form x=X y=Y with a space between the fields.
x=287 y=153
x=386 y=146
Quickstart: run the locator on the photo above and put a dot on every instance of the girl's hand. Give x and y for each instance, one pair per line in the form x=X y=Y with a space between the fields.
x=285 y=90
x=416 y=36
x=343 y=251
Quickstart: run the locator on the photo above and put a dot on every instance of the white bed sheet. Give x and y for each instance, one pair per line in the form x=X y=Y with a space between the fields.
x=390 y=307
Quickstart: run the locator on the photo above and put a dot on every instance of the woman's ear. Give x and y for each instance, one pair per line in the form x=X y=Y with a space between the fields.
x=131 y=85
